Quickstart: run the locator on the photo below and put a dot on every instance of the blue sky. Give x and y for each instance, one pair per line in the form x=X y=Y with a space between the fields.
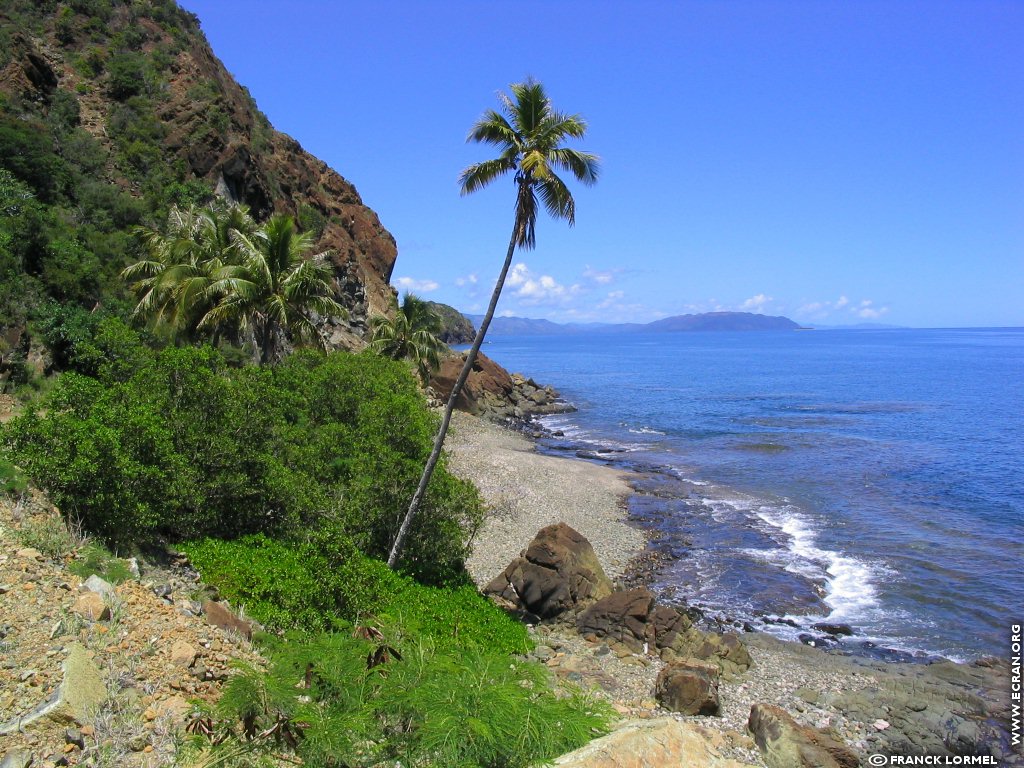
x=835 y=162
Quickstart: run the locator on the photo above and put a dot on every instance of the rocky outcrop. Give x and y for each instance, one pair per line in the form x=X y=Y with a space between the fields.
x=557 y=573
x=659 y=743
x=633 y=619
x=787 y=744
x=688 y=687
x=494 y=393
x=456 y=328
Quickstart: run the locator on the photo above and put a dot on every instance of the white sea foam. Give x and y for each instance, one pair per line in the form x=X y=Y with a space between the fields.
x=850 y=582
x=646 y=431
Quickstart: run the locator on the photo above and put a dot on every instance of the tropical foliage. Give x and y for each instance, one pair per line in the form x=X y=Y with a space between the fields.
x=529 y=134
x=213 y=270
x=180 y=444
x=359 y=697
x=412 y=334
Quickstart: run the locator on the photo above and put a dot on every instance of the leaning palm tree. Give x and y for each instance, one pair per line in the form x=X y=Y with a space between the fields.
x=412 y=334
x=529 y=136
x=275 y=290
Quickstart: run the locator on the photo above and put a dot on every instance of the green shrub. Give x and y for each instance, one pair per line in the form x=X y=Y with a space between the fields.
x=315 y=584
x=12 y=479
x=469 y=709
x=181 y=444
x=94 y=558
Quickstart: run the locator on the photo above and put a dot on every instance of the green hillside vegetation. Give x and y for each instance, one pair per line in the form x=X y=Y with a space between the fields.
x=167 y=403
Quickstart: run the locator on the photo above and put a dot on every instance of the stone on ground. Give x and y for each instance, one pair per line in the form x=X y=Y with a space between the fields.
x=660 y=743
x=787 y=744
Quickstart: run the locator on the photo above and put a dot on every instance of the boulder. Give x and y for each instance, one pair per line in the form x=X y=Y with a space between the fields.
x=787 y=744
x=556 y=573
x=660 y=743
x=101 y=587
x=221 y=616
x=688 y=687
x=90 y=606
x=75 y=702
x=621 y=617
x=725 y=650
x=487 y=391
x=183 y=654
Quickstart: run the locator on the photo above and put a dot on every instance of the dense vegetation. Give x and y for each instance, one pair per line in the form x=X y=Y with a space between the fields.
x=285 y=482
x=68 y=201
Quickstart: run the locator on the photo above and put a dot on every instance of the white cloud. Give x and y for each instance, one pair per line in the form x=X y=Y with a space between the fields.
x=599 y=276
x=841 y=302
x=755 y=303
x=533 y=290
x=412 y=284
x=867 y=310
x=470 y=279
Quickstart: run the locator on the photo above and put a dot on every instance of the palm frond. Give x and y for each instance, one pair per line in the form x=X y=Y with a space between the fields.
x=557 y=199
x=479 y=175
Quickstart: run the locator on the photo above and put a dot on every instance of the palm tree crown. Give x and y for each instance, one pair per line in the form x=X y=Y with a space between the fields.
x=276 y=288
x=411 y=335
x=530 y=136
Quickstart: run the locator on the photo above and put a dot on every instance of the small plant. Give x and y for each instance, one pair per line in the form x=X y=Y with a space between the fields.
x=94 y=558
x=12 y=479
x=50 y=535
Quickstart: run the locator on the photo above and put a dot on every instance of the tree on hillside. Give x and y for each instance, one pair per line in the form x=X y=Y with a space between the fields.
x=529 y=134
x=411 y=335
x=275 y=289
x=186 y=260
x=213 y=270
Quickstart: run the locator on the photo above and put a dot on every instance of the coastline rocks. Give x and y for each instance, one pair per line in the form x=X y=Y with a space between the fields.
x=633 y=619
x=621 y=617
x=494 y=393
x=556 y=573
x=787 y=744
x=690 y=688
x=833 y=629
x=659 y=743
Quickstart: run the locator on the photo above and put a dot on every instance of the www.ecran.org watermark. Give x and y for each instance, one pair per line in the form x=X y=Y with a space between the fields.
x=1015 y=687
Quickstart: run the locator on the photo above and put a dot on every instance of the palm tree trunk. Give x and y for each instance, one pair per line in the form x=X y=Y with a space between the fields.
x=435 y=454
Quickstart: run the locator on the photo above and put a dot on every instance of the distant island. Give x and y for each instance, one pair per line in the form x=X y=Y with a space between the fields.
x=706 y=321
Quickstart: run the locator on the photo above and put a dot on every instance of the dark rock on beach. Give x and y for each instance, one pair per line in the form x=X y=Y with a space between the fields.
x=556 y=573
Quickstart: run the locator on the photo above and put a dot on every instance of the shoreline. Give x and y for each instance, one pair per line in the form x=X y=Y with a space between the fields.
x=874 y=705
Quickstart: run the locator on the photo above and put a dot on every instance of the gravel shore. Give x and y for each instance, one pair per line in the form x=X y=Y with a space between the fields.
x=526 y=491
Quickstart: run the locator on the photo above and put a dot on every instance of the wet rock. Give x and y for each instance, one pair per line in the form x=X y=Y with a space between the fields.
x=557 y=572
x=787 y=744
x=837 y=630
x=689 y=688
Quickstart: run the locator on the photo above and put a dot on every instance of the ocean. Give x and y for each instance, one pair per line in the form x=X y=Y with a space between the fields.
x=871 y=478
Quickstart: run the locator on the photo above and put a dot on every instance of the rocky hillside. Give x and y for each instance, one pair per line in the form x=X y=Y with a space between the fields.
x=456 y=328
x=115 y=109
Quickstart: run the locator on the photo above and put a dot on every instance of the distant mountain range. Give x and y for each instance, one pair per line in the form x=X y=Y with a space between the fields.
x=707 y=321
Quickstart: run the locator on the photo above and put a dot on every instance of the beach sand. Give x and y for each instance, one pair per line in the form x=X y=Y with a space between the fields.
x=526 y=491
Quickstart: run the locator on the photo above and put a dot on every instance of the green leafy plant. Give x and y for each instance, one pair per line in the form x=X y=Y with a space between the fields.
x=313 y=585
x=334 y=700
x=94 y=558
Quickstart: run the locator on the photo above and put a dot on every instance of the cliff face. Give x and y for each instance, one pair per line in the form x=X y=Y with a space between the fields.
x=152 y=95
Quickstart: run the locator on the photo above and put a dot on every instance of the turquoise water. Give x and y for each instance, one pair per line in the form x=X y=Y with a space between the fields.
x=874 y=477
